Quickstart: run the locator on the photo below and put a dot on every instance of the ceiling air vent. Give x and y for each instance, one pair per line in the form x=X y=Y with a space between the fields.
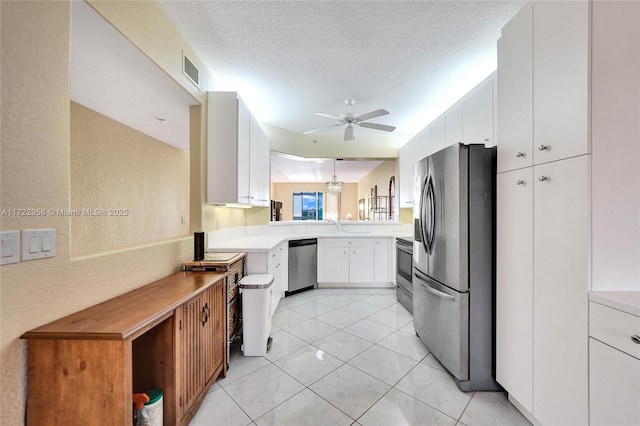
x=190 y=70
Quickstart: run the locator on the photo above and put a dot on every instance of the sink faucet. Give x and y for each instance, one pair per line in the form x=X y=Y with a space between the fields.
x=335 y=222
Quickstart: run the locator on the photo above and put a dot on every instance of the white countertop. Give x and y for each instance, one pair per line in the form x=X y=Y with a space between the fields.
x=268 y=242
x=265 y=237
x=626 y=301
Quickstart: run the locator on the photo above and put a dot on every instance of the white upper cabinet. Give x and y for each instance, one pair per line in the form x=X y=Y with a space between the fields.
x=453 y=125
x=477 y=116
x=560 y=80
x=236 y=151
x=408 y=157
x=259 y=168
x=543 y=60
x=515 y=92
x=425 y=144
x=438 y=130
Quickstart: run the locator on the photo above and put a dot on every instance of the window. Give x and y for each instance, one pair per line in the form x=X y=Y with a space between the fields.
x=307 y=205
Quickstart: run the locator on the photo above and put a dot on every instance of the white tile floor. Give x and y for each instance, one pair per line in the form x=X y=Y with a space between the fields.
x=346 y=357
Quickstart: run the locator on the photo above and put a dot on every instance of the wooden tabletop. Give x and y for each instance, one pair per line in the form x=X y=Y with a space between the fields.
x=208 y=262
x=128 y=314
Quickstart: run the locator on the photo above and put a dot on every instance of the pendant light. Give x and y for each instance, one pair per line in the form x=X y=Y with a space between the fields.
x=334 y=187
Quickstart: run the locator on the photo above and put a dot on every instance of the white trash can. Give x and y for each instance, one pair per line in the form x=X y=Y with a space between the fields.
x=256 y=292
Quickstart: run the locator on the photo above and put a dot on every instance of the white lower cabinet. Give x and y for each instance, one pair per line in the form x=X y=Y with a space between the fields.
x=353 y=260
x=514 y=290
x=361 y=263
x=560 y=285
x=336 y=264
x=274 y=262
x=542 y=284
x=614 y=366
x=381 y=260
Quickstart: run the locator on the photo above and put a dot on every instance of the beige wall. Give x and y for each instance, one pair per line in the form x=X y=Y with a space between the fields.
x=284 y=192
x=116 y=167
x=36 y=173
x=216 y=218
x=406 y=215
x=379 y=176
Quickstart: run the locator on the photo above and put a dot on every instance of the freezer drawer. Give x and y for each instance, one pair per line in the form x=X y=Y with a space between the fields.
x=441 y=319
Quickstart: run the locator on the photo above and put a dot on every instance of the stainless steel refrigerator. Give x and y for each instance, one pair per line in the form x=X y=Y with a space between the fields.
x=454 y=262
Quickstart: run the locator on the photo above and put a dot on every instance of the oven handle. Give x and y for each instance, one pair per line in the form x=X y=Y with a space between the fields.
x=432 y=290
x=406 y=249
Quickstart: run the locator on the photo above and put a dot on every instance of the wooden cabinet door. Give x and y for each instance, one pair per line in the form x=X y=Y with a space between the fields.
x=191 y=366
x=202 y=344
x=336 y=264
x=515 y=92
x=514 y=284
x=214 y=330
x=561 y=265
x=560 y=79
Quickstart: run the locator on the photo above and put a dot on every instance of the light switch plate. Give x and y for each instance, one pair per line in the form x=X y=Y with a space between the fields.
x=10 y=247
x=38 y=243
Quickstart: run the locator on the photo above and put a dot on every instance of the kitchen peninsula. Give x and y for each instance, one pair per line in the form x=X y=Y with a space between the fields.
x=267 y=251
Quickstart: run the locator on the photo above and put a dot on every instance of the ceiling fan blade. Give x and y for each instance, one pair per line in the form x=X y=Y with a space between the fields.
x=324 y=114
x=377 y=126
x=348 y=133
x=308 y=132
x=372 y=114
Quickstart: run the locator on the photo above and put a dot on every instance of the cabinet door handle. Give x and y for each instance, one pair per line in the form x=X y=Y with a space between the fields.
x=206 y=313
x=519 y=182
x=520 y=154
x=543 y=147
x=543 y=178
x=635 y=339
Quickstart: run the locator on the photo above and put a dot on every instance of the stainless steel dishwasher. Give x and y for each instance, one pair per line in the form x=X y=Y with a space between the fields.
x=303 y=265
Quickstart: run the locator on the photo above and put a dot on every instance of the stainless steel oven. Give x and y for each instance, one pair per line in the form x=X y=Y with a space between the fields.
x=404 y=272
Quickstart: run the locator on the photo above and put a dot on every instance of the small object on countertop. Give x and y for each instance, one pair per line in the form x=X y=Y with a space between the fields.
x=198 y=245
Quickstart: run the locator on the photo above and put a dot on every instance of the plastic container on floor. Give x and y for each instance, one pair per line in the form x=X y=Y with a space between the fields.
x=256 y=292
x=154 y=407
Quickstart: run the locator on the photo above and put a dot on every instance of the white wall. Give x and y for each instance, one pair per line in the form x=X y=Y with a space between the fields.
x=615 y=133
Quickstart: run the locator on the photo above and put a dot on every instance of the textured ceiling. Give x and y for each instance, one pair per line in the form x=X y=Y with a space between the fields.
x=289 y=59
x=290 y=168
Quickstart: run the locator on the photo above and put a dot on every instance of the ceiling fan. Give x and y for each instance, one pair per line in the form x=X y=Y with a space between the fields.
x=350 y=119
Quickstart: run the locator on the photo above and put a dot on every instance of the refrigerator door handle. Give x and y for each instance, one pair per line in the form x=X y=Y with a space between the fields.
x=433 y=290
x=427 y=215
x=432 y=206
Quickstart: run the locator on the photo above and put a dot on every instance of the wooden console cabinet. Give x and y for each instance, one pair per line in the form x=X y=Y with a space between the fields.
x=170 y=334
